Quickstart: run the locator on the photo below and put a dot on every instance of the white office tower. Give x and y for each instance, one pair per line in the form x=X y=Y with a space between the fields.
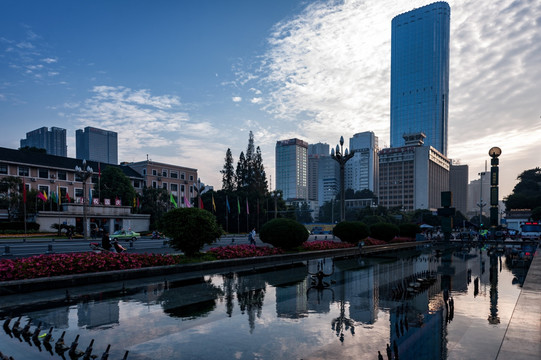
x=292 y=168
x=362 y=168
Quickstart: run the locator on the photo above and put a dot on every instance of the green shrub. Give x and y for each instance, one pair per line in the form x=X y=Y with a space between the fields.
x=283 y=233
x=190 y=229
x=384 y=231
x=19 y=225
x=409 y=230
x=351 y=231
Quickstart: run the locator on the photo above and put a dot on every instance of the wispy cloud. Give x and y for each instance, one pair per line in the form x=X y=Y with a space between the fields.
x=327 y=73
x=236 y=99
x=142 y=121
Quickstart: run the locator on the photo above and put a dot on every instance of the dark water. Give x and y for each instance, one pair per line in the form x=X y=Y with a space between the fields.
x=432 y=305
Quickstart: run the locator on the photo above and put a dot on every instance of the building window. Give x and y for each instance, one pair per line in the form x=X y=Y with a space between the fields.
x=154 y=184
x=79 y=192
x=43 y=173
x=43 y=189
x=62 y=175
x=3 y=168
x=144 y=171
x=181 y=188
x=191 y=189
x=164 y=185
x=182 y=176
x=174 y=187
x=191 y=177
x=24 y=171
x=174 y=175
x=164 y=173
x=154 y=172
x=136 y=184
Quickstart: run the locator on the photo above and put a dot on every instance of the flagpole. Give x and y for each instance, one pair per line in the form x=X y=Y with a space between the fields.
x=238 y=216
x=247 y=217
x=24 y=208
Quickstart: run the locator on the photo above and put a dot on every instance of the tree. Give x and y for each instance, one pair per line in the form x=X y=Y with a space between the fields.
x=384 y=231
x=260 y=177
x=114 y=184
x=303 y=213
x=240 y=173
x=9 y=194
x=228 y=172
x=351 y=231
x=283 y=233
x=190 y=229
x=156 y=203
x=527 y=192
x=536 y=214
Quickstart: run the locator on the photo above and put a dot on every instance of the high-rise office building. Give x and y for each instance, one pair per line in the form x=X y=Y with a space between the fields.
x=97 y=145
x=420 y=75
x=458 y=185
x=362 y=168
x=316 y=152
x=412 y=176
x=53 y=141
x=292 y=168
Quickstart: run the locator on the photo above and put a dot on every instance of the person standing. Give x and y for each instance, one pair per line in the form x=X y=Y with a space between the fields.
x=252 y=237
x=105 y=241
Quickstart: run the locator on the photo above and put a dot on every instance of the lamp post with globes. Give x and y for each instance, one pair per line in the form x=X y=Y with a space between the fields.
x=341 y=158
x=84 y=173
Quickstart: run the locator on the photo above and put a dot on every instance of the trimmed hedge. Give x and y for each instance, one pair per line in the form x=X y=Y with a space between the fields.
x=351 y=231
x=19 y=225
x=283 y=233
x=384 y=231
x=409 y=230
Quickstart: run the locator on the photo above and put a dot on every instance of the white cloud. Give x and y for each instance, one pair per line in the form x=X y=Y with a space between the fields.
x=327 y=73
x=143 y=121
x=256 y=100
x=236 y=99
x=49 y=60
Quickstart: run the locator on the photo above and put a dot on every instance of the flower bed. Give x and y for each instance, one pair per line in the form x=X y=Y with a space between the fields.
x=78 y=263
x=324 y=245
x=371 y=241
x=242 y=251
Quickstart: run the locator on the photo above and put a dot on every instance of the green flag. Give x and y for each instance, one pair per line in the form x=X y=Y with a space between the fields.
x=173 y=200
x=238 y=204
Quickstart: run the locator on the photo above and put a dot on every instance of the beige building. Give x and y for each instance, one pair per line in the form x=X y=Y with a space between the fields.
x=49 y=173
x=180 y=181
x=412 y=176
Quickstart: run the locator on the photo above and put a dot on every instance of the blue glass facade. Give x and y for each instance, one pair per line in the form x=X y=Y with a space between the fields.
x=420 y=75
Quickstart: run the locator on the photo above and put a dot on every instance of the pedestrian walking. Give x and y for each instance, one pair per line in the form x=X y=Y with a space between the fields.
x=251 y=237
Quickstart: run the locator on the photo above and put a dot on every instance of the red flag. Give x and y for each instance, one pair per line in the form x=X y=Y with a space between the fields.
x=201 y=203
x=138 y=205
x=24 y=191
x=99 y=170
x=68 y=196
x=247 y=207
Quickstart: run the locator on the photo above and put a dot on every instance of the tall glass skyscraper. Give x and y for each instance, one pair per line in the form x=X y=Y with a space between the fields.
x=420 y=75
x=54 y=141
x=97 y=145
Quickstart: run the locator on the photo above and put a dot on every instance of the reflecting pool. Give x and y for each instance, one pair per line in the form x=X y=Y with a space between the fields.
x=448 y=304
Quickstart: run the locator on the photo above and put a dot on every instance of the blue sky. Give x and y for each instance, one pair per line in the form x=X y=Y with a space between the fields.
x=182 y=81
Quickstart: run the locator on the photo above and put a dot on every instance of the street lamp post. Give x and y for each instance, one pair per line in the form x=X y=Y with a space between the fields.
x=84 y=173
x=341 y=158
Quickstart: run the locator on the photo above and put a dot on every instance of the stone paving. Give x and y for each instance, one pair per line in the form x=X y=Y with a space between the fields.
x=523 y=336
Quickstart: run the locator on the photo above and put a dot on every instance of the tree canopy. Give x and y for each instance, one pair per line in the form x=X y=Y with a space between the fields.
x=527 y=192
x=114 y=184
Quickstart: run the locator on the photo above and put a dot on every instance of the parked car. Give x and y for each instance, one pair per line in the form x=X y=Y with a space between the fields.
x=125 y=235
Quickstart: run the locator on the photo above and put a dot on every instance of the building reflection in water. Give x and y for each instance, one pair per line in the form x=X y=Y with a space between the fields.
x=414 y=297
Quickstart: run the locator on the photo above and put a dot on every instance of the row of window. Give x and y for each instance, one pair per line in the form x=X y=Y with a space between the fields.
x=172 y=187
x=171 y=173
